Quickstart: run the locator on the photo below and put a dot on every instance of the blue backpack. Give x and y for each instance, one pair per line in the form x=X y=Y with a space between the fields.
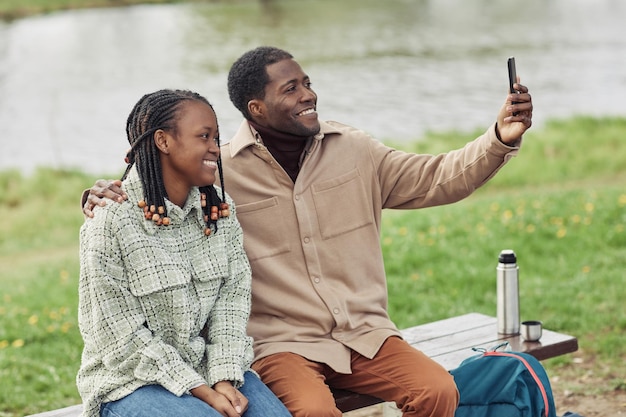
x=503 y=384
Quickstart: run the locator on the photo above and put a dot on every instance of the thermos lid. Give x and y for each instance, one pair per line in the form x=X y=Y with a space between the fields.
x=507 y=256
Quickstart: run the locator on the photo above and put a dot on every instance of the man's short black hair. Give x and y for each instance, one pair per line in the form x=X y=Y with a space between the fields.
x=248 y=77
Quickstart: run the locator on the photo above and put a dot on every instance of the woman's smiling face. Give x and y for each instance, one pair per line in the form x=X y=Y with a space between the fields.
x=189 y=157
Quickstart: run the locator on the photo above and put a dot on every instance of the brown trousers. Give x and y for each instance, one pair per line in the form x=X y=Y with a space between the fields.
x=399 y=373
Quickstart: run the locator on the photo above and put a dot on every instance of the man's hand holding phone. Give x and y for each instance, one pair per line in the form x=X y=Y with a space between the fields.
x=516 y=114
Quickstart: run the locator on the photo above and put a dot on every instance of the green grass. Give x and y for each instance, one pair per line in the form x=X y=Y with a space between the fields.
x=39 y=339
x=561 y=205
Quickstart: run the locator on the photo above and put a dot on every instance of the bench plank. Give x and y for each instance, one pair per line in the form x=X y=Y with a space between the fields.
x=448 y=342
x=73 y=411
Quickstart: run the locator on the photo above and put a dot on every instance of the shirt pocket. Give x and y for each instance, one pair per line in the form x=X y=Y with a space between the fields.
x=264 y=234
x=159 y=278
x=208 y=259
x=162 y=291
x=342 y=204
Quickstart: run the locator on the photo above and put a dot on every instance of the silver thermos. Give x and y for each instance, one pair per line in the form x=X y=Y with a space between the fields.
x=508 y=293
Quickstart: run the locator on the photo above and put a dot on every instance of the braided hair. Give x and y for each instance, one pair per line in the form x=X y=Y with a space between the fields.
x=160 y=111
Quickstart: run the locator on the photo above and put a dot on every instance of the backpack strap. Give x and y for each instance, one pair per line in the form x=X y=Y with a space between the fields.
x=532 y=373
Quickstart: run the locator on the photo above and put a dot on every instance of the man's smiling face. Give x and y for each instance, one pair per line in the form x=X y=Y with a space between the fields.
x=290 y=103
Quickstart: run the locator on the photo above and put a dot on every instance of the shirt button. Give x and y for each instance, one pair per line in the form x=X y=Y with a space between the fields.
x=297 y=197
x=336 y=310
x=317 y=280
x=307 y=240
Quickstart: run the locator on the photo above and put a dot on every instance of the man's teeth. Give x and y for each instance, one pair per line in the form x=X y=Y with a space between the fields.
x=305 y=112
x=209 y=163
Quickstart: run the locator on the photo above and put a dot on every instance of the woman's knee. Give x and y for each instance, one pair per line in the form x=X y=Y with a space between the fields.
x=156 y=401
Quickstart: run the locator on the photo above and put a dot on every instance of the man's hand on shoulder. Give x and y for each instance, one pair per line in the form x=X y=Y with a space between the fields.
x=102 y=189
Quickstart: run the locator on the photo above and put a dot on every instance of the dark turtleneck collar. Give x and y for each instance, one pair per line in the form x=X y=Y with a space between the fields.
x=285 y=148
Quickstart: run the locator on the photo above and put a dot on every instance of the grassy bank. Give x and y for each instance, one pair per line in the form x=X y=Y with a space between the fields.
x=561 y=205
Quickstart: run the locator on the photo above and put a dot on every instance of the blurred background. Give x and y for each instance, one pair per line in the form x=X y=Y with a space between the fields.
x=395 y=68
x=419 y=74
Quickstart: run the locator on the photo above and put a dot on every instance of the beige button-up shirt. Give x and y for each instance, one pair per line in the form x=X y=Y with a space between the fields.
x=318 y=279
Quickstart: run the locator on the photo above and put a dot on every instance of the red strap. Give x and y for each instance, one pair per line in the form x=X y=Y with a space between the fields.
x=532 y=373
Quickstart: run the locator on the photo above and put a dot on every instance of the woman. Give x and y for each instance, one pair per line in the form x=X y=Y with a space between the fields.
x=164 y=293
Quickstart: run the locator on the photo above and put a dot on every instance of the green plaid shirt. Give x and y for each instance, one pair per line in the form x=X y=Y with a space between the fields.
x=160 y=305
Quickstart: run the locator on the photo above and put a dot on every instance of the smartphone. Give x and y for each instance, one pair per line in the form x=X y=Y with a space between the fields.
x=512 y=74
x=512 y=78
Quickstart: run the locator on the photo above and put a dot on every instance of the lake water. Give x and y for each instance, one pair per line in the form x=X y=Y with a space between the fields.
x=394 y=68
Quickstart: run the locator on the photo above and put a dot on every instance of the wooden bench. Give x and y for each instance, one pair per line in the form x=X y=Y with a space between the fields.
x=448 y=342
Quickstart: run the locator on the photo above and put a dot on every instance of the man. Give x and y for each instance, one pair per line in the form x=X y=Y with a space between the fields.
x=309 y=197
